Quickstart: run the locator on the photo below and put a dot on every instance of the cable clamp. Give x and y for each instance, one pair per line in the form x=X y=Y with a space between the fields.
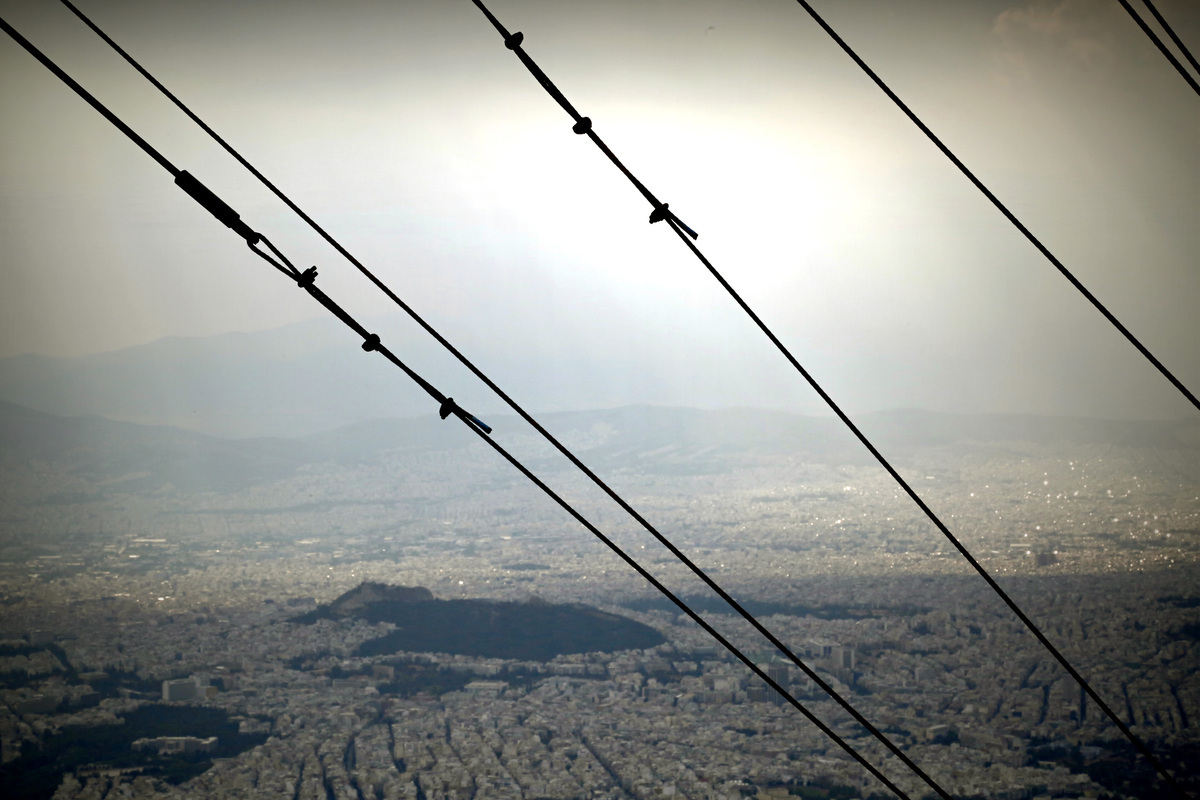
x=307 y=278
x=216 y=206
x=513 y=40
x=663 y=211
x=371 y=342
x=584 y=125
x=450 y=407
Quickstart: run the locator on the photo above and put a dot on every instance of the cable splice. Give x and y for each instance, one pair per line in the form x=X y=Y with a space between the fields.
x=279 y=261
x=184 y=179
x=372 y=344
x=307 y=278
x=225 y=214
x=583 y=125
x=215 y=206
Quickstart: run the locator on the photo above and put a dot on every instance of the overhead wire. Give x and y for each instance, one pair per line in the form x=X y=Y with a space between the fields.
x=1162 y=47
x=550 y=438
x=1183 y=48
x=371 y=342
x=514 y=42
x=583 y=125
x=1003 y=209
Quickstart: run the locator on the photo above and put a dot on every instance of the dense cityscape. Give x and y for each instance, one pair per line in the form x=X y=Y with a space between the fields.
x=121 y=596
x=235 y=562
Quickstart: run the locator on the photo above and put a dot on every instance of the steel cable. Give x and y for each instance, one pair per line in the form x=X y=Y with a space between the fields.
x=371 y=342
x=599 y=482
x=513 y=41
x=1162 y=48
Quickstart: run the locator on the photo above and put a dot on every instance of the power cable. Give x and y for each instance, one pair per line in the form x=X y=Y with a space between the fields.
x=1146 y=29
x=1171 y=32
x=371 y=342
x=696 y=570
x=1010 y=216
x=513 y=41
x=583 y=125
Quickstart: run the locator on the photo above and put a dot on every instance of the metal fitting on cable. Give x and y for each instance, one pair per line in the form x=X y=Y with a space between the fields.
x=513 y=40
x=583 y=125
x=216 y=206
x=450 y=407
x=663 y=211
x=307 y=278
x=371 y=342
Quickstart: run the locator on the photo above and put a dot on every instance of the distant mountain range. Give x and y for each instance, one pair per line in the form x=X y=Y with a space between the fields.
x=286 y=382
x=649 y=438
x=312 y=377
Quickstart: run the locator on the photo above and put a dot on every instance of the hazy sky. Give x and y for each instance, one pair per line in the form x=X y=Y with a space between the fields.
x=410 y=131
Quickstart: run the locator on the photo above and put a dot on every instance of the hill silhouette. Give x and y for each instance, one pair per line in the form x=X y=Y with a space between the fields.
x=529 y=631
